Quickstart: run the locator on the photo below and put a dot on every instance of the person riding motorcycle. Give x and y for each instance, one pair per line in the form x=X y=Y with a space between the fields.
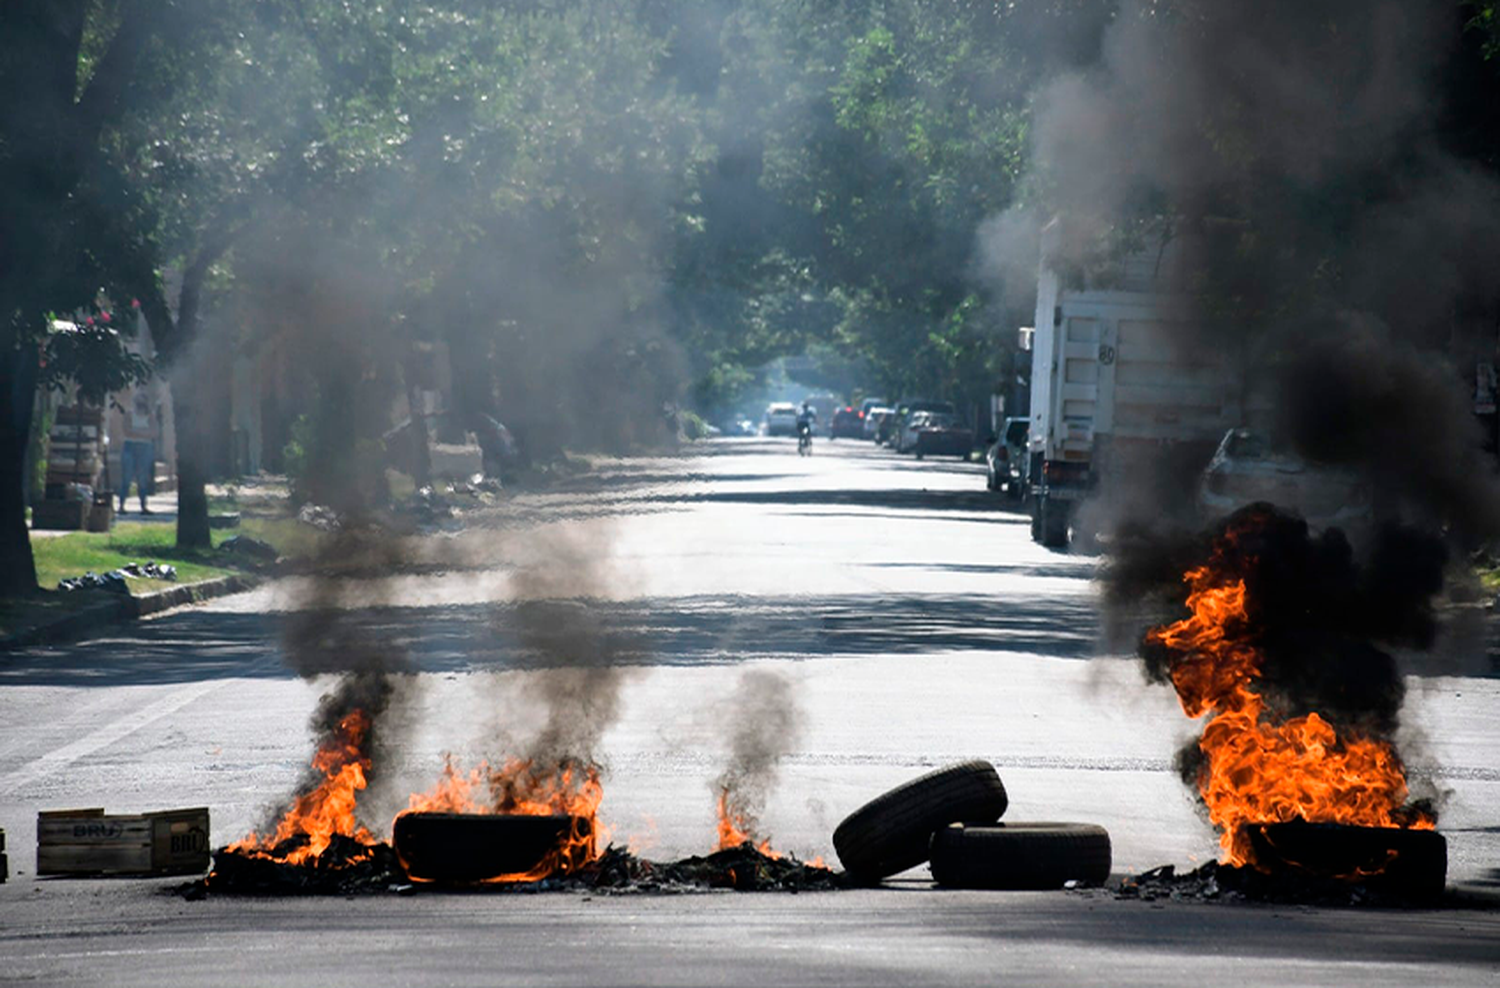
x=807 y=417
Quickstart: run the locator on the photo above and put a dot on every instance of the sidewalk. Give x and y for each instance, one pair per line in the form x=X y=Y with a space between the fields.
x=61 y=616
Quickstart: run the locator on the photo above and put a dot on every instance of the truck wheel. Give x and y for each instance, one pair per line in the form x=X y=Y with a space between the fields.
x=1036 y=520
x=1054 y=523
x=919 y=454
x=892 y=832
x=1020 y=855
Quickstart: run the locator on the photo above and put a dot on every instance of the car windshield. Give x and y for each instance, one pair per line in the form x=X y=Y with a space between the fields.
x=1015 y=433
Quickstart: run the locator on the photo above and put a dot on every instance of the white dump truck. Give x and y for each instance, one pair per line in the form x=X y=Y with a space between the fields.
x=1128 y=390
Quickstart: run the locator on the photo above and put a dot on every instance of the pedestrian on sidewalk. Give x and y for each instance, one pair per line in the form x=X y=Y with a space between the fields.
x=138 y=454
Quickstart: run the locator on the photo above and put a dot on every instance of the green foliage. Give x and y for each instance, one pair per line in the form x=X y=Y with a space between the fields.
x=692 y=425
x=296 y=457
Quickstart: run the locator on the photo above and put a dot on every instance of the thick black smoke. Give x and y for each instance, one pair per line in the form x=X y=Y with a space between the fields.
x=1299 y=156
x=332 y=634
x=1320 y=618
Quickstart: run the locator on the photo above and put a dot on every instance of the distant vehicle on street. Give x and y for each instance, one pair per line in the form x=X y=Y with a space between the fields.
x=780 y=419
x=1005 y=460
x=905 y=436
x=871 y=403
x=884 y=427
x=941 y=434
x=1247 y=467
x=848 y=423
x=874 y=417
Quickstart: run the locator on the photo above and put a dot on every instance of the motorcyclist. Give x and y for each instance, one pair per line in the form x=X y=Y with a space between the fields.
x=807 y=417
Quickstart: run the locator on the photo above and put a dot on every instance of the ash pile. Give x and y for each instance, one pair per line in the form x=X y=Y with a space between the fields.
x=348 y=867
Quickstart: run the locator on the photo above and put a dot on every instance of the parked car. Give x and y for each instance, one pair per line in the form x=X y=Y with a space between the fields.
x=781 y=419
x=906 y=437
x=884 y=425
x=871 y=403
x=941 y=434
x=848 y=423
x=1005 y=460
x=874 y=416
x=1248 y=467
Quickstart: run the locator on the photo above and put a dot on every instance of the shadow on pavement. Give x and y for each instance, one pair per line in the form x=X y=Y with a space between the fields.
x=909 y=500
x=195 y=645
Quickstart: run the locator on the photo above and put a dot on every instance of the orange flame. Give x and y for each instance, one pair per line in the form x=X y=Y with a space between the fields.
x=523 y=788
x=734 y=828
x=326 y=811
x=1259 y=770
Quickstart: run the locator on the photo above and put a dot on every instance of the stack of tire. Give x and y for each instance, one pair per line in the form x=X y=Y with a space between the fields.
x=950 y=818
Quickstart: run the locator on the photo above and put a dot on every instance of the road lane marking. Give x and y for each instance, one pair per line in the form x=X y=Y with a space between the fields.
x=59 y=758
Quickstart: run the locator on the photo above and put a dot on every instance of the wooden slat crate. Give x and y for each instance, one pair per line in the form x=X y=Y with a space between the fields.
x=91 y=842
x=60 y=515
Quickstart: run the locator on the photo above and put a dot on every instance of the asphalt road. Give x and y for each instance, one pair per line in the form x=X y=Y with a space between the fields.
x=915 y=623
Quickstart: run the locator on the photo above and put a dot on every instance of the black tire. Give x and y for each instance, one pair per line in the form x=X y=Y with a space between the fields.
x=1054 y=523
x=1020 y=855
x=1410 y=863
x=1036 y=520
x=918 y=452
x=892 y=832
x=476 y=847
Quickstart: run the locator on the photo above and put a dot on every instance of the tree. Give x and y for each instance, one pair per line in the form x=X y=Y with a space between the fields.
x=70 y=228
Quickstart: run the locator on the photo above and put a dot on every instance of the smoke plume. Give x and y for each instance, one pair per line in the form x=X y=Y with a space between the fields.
x=1294 y=154
x=764 y=723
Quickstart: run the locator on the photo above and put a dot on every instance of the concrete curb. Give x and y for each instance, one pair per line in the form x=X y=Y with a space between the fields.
x=120 y=609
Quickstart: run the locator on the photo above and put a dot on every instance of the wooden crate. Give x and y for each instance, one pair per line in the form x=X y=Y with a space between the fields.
x=62 y=515
x=91 y=842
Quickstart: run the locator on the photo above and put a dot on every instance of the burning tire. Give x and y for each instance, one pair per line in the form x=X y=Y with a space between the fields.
x=892 y=832
x=1408 y=863
x=1020 y=855
x=474 y=847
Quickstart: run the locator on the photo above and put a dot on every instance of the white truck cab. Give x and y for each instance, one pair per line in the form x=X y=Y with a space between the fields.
x=1121 y=376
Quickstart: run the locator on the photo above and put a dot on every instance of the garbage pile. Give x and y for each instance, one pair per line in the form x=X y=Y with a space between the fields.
x=348 y=867
x=1215 y=882
x=244 y=545
x=114 y=580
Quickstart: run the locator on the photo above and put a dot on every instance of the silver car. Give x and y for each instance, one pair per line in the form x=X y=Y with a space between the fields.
x=1247 y=468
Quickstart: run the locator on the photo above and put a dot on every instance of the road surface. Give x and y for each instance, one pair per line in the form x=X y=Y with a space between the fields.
x=916 y=624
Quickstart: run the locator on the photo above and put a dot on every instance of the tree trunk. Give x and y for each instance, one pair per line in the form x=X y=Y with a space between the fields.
x=18 y=370
x=421 y=454
x=192 y=499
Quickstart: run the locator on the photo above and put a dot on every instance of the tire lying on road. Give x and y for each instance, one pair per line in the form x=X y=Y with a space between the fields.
x=892 y=832
x=1020 y=855
x=1409 y=863
x=478 y=847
